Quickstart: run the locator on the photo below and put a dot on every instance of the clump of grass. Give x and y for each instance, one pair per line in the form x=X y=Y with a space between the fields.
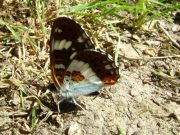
x=139 y=12
x=13 y=29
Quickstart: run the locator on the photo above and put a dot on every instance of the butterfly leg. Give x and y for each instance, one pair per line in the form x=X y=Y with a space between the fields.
x=78 y=104
x=58 y=104
x=58 y=100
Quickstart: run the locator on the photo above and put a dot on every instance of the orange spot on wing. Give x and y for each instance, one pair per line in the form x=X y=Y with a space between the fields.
x=109 y=80
x=77 y=76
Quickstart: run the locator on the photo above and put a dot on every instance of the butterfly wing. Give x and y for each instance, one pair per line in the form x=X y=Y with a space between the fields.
x=66 y=40
x=88 y=71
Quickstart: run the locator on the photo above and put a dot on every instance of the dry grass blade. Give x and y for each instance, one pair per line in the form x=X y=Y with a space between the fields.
x=167 y=34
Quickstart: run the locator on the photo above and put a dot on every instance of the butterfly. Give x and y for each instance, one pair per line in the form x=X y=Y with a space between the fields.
x=77 y=67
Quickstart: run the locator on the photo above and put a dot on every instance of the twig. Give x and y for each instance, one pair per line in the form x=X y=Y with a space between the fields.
x=167 y=34
x=168 y=78
x=14 y=113
x=149 y=58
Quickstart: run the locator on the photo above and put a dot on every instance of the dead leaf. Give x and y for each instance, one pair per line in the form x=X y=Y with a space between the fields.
x=150 y=51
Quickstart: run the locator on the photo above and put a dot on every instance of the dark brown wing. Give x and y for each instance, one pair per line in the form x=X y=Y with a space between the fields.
x=93 y=65
x=66 y=40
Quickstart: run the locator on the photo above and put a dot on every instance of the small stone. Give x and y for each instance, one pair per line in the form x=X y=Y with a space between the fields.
x=133 y=93
x=140 y=124
x=74 y=129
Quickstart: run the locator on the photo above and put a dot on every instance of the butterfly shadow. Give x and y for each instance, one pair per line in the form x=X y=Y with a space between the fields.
x=65 y=106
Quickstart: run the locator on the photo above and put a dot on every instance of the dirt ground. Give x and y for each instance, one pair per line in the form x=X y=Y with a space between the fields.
x=145 y=101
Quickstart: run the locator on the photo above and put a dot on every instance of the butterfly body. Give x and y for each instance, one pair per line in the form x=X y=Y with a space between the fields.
x=77 y=67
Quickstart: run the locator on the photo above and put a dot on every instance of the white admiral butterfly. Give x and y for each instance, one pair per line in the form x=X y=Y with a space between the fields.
x=77 y=68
